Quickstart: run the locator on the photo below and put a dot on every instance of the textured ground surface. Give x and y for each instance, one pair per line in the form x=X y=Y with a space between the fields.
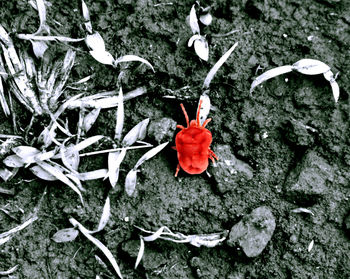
x=284 y=147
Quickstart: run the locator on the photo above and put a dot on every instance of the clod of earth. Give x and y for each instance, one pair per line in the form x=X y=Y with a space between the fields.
x=253 y=232
x=229 y=171
x=162 y=129
x=307 y=182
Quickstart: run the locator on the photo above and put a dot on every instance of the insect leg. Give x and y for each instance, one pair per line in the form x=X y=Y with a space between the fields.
x=177 y=170
x=186 y=116
x=206 y=122
x=198 y=111
x=212 y=154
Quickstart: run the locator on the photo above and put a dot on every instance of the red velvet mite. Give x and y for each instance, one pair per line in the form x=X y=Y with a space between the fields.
x=193 y=145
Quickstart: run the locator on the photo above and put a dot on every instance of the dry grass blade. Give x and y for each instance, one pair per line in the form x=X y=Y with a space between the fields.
x=335 y=87
x=270 y=74
x=310 y=67
x=138 y=132
x=194 y=21
x=92 y=175
x=48 y=38
x=25 y=152
x=149 y=154
x=39 y=48
x=132 y=58
x=4 y=239
x=87 y=142
x=205 y=108
x=130 y=182
x=9 y=271
x=86 y=16
x=19 y=228
x=114 y=161
x=3 y=102
x=140 y=253
x=155 y=235
x=120 y=117
x=42 y=17
x=99 y=244
x=56 y=172
x=201 y=48
x=303 y=210
x=14 y=161
x=95 y=42
x=217 y=66
x=70 y=157
x=311 y=245
x=6 y=174
x=65 y=235
x=192 y=39
x=106 y=213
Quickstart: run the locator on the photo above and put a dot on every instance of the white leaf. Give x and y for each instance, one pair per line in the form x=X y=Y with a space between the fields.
x=311 y=245
x=26 y=153
x=56 y=172
x=42 y=173
x=205 y=108
x=194 y=21
x=149 y=154
x=4 y=239
x=192 y=39
x=155 y=235
x=206 y=19
x=202 y=49
x=130 y=182
x=302 y=210
x=14 y=161
x=102 y=56
x=70 y=157
x=65 y=235
x=131 y=58
x=92 y=175
x=335 y=87
x=106 y=213
x=114 y=161
x=99 y=244
x=87 y=142
x=90 y=119
x=95 y=42
x=86 y=16
x=120 y=116
x=138 y=132
x=39 y=48
x=310 y=67
x=270 y=74
x=6 y=174
x=140 y=253
x=217 y=66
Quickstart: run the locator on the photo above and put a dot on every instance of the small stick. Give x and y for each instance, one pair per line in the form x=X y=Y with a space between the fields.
x=114 y=150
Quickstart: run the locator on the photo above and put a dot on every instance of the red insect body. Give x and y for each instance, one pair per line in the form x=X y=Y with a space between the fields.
x=193 y=145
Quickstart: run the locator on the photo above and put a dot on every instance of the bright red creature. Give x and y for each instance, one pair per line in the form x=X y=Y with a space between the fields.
x=193 y=145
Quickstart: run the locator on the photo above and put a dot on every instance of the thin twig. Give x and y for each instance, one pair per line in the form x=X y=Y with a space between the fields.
x=225 y=34
x=114 y=150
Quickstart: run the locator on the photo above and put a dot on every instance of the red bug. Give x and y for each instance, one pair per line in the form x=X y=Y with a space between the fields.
x=193 y=145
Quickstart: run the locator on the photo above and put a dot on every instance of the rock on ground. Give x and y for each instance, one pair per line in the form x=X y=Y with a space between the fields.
x=253 y=232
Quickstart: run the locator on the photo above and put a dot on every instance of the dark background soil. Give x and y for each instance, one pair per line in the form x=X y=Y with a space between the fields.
x=271 y=34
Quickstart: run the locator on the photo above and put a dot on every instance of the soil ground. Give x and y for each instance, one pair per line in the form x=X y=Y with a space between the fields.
x=305 y=131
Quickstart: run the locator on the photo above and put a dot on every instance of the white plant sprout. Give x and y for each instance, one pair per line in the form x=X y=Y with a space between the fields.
x=199 y=42
x=130 y=180
x=303 y=210
x=304 y=66
x=98 y=49
x=9 y=271
x=99 y=245
x=205 y=107
x=198 y=240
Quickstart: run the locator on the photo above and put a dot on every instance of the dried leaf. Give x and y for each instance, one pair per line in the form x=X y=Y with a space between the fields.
x=140 y=253
x=86 y=16
x=194 y=21
x=149 y=154
x=3 y=102
x=39 y=48
x=120 y=117
x=302 y=210
x=217 y=66
x=311 y=245
x=87 y=142
x=114 y=161
x=205 y=108
x=92 y=175
x=42 y=16
x=9 y=271
x=95 y=42
x=201 y=48
x=26 y=153
x=102 y=56
x=42 y=173
x=130 y=182
x=106 y=213
x=310 y=67
x=70 y=157
x=14 y=161
x=65 y=235
x=155 y=235
x=90 y=119
x=6 y=174
x=206 y=19
x=56 y=172
x=335 y=87
x=138 y=132
x=270 y=74
x=132 y=58
x=4 y=239
x=99 y=244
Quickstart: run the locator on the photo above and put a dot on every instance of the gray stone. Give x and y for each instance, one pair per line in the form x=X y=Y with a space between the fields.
x=229 y=171
x=307 y=182
x=253 y=232
x=162 y=129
